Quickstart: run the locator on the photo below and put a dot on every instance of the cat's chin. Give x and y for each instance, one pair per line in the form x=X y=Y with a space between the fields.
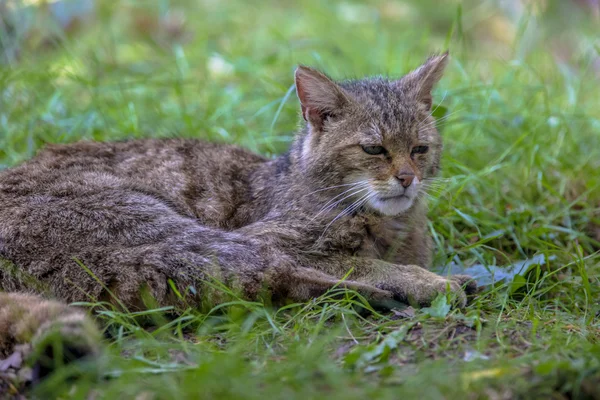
x=391 y=206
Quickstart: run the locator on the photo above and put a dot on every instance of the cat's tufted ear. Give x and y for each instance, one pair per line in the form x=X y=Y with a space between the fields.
x=420 y=82
x=319 y=96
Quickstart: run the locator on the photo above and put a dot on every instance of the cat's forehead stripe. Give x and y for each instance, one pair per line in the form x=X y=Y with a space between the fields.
x=391 y=110
x=373 y=129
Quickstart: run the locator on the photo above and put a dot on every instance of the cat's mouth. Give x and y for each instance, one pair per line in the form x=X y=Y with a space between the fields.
x=394 y=197
x=391 y=204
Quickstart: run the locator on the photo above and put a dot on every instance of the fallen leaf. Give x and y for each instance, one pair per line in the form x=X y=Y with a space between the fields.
x=408 y=312
x=15 y=360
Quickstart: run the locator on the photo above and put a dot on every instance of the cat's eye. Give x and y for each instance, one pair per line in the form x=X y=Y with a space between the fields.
x=419 y=150
x=374 y=150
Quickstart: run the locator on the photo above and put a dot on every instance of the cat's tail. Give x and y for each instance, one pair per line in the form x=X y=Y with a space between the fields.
x=49 y=333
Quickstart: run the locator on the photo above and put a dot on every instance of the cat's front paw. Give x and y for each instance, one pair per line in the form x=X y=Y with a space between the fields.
x=417 y=286
x=460 y=287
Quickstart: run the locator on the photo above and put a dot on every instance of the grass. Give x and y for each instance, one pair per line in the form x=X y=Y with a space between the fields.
x=522 y=169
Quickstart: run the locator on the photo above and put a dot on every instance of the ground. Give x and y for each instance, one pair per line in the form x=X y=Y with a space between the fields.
x=518 y=111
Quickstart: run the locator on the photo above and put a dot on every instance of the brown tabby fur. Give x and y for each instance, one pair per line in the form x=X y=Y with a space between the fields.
x=141 y=213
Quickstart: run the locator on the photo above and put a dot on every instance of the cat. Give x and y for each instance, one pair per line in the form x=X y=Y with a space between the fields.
x=344 y=207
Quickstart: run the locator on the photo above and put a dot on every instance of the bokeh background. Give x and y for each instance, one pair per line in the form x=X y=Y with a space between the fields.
x=224 y=67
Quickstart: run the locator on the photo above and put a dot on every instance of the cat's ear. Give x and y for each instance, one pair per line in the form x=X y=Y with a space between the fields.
x=319 y=96
x=420 y=82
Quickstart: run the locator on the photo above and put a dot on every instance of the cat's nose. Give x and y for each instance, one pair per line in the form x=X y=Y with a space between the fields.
x=405 y=179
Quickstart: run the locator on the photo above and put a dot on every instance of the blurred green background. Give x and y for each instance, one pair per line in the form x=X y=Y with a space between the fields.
x=115 y=68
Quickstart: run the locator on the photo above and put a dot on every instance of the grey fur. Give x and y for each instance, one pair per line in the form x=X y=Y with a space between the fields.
x=141 y=213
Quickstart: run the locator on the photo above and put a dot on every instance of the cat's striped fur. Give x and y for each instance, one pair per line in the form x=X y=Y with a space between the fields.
x=348 y=196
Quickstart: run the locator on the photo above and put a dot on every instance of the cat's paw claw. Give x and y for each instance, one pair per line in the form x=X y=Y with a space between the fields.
x=467 y=282
x=456 y=289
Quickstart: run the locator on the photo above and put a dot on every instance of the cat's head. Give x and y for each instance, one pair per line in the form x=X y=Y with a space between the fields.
x=374 y=137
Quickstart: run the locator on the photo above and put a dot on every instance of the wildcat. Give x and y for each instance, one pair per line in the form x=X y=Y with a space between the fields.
x=345 y=206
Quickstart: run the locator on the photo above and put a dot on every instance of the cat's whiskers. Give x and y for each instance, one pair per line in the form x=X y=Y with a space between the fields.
x=425 y=193
x=329 y=205
x=431 y=193
x=437 y=122
x=434 y=110
x=349 y=209
x=437 y=179
x=363 y=186
x=355 y=186
x=433 y=187
x=335 y=186
x=436 y=185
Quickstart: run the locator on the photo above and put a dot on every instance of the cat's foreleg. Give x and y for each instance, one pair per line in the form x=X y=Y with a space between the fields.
x=409 y=284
